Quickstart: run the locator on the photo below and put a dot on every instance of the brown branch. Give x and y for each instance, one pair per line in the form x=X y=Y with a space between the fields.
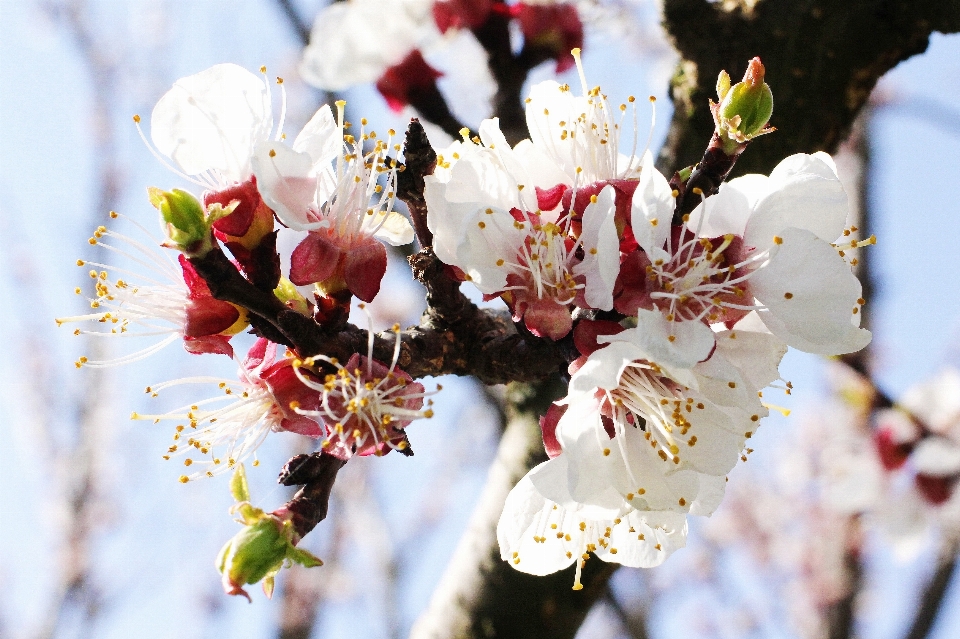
x=710 y=172
x=633 y=621
x=841 y=614
x=430 y=105
x=316 y=474
x=299 y=25
x=935 y=591
x=509 y=71
x=420 y=160
x=467 y=341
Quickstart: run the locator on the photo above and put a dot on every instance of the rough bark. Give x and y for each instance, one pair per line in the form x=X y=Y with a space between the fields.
x=822 y=58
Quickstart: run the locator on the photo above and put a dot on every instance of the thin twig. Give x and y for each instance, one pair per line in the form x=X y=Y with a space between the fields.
x=931 y=600
x=299 y=25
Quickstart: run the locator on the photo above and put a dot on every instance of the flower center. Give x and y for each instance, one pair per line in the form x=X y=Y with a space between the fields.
x=703 y=279
x=657 y=405
x=366 y=405
x=544 y=263
x=358 y=204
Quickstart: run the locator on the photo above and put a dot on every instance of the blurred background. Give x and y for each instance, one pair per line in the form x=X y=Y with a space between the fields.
x=99 y=539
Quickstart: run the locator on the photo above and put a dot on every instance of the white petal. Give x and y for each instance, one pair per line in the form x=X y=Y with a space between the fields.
x=810 y=294
x=396 y=230
x=212 y=121
x=286 y=183
x=729 y=210
x=444 y=219
x=604 y=367
x=645 y=539
x=548 y=106
x=320 y=138
x=341 y=54
x=482 y=247
x=493 y=139
x=579 y=480
x=710 y=495
x=936 y=401
x=692 y=341
x=819 y=163
x=720 y=433
x=479 y=178
x=601 y=261
x=751 y=322
x=722 y=383
x=937 y=456
x=539 y=537
x=806 y=194
x=652 y=207
x=652 y=482
x=756 y=355
x=540 y=167
x=827 y=159
x=523 y=512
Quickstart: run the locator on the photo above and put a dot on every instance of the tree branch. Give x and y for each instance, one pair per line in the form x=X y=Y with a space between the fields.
x=300 y=26
x=933 y=594
x=509 y=71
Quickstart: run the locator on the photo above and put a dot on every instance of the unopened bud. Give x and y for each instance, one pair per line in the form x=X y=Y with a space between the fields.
x=259 y=551
x=745 y=108
x=254 y=553
x=186 y=223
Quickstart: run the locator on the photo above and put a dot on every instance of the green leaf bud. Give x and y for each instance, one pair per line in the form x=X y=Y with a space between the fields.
x=745 y=108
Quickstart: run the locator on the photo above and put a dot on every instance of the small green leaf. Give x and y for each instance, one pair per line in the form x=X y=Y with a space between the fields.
x=723 y=85
x=268 y=583
x=155 y=195
x=303 y=557
x=238 y=484
x=249 y=514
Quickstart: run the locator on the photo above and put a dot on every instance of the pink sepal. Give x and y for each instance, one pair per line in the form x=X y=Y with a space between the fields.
x=587 y=331
x=217 y=344
x=400 y=82
x=364 y=267
x=548 y=427
x=555 y=27
x=314 y=260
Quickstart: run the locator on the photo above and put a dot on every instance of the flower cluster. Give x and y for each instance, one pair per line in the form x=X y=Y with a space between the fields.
x=927 y=450
x=216 y=130
x=673 y=318
x=337 y=58
x=680 y=324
